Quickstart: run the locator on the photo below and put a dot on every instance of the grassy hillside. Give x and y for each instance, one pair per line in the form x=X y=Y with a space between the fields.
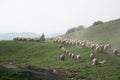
x=46 y=55
x=107 y=32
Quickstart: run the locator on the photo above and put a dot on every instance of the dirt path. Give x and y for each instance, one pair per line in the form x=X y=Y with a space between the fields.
x=44 y=74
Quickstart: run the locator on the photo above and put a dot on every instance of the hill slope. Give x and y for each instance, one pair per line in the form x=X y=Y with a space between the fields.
x=107 y=32
x=46 y=55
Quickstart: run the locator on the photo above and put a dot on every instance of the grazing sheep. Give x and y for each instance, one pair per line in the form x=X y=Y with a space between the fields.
x=102 y=62
x=62 y=57
x=78 y=57
x=54 y=71
x=108 y=46
x=77 y=42
x=105 y=47
x=100 y=49
x=63 y=49
x=72 y=55
x=66 y=51
x=70 y=42
x=83 y=44
x=69 y=54
x=94 y=61
x=97 y=49
x=115 y=51
x=97 y=45
x=80 y=43
x=91 y=56
x=92 y=46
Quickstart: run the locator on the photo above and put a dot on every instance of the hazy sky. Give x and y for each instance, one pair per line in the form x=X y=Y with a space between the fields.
x=54 y=16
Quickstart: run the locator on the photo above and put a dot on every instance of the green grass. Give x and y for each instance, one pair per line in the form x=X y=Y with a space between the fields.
x=13 y=75
x=107 y=32
x=46 y=55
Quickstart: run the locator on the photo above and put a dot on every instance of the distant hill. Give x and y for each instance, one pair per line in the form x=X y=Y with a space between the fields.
x=108 y=32
x=10 y=36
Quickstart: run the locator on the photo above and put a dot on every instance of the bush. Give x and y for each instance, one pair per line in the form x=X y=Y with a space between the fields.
x=81 y=27
x=97 y=22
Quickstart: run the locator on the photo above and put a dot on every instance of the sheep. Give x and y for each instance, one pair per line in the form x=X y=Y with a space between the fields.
x=97 y=45
x=105 y=47
x=78 y=57
x=83 y=44
x=62 y=57
x=91 y=56
x=100 y=49
x=102 y=62
x=115 y=51
x=67 y=42
x=73 y=42
x=63 y=49
x=72 y=55
x=77 y=42
x=54 y=71
x=108 y=45
x=80 y=42
x=88 y=44
x=97 y=49
x=69 y=54
x=66 y=51
x=94 y=61
x=92 y=46
x=70 y=42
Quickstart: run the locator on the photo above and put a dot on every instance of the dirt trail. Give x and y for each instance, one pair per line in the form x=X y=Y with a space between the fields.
x=44 y=74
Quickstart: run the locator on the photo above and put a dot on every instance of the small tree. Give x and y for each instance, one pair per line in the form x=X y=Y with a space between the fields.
x=97 y=22
x=42 y=38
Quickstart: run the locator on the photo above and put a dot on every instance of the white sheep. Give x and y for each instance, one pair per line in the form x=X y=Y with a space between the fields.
x=91 y=56
x=69 y=54
x=62 y=57
x=97 y=49
x=72 y=55
x=78 y=57
x=92 y=46
x=115 y=51
x=105 y=47
x=94 y=61
x=63 y=49
x=66 y=51
x=108 y=45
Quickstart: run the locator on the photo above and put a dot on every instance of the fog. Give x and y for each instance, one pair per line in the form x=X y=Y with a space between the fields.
x=54 y=16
